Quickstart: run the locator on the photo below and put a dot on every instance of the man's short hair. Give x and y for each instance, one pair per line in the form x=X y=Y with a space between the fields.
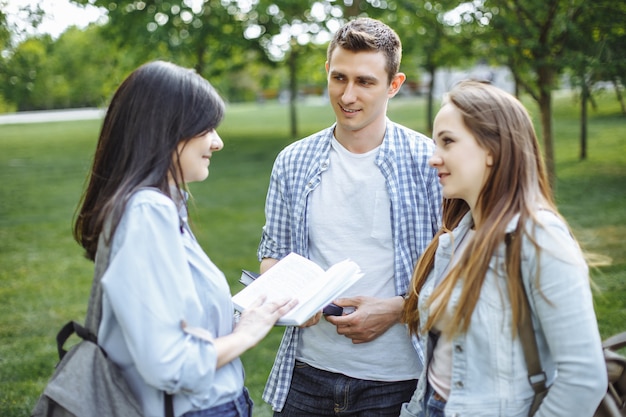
x=364 y=35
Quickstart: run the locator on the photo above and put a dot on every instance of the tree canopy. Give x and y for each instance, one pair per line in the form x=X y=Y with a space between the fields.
x=254 y=49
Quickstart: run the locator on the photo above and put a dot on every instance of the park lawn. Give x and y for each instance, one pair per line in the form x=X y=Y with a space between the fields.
x=45 y=281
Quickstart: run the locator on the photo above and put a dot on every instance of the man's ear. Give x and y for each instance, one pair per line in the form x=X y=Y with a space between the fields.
x=396 y=83
x=326 y=65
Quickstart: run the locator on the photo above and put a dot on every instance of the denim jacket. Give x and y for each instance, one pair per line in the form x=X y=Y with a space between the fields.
x=489 y=375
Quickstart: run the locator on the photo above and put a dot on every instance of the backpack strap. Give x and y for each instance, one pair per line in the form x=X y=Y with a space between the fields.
x=169 y=405
x=536 y=375
x=69 y=329
x=94 y=308
x=615 y=342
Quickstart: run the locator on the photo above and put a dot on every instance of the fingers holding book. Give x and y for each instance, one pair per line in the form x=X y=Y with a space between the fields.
x=259 y=318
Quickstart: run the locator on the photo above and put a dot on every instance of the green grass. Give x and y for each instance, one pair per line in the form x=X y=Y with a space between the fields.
x=45 y=281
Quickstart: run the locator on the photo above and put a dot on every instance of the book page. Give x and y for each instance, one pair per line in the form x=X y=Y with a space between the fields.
x=337 y=279
x=299 y=278
x=289 y=278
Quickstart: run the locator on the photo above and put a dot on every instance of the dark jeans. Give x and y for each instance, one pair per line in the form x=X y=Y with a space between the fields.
x=241 y=407
x=317 y=393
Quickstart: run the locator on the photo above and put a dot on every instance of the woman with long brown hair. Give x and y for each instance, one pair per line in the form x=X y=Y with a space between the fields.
x=467 y=295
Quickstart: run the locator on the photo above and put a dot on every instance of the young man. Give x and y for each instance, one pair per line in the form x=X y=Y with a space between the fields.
x=361 y=189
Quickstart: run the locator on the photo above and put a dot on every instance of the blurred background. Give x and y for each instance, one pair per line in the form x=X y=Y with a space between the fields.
x=73 y=53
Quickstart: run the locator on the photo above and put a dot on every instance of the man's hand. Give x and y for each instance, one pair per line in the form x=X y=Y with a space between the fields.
x=312 y=321
x=371 y=317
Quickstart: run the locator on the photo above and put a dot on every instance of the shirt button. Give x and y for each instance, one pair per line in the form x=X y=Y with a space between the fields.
x=458 y=384
x=458 y=348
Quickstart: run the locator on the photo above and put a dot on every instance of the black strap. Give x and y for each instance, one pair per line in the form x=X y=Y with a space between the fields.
x=62 y=336
x=169 y=405
x=69 y=329
x=536 y=375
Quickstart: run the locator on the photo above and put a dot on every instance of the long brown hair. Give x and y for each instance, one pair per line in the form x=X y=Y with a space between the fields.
x=517 y=184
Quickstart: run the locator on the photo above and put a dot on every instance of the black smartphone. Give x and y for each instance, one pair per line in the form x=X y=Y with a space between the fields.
x=332 y=310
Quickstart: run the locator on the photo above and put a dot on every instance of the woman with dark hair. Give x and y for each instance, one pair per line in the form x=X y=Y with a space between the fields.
x=467 y=297
x=167 y=315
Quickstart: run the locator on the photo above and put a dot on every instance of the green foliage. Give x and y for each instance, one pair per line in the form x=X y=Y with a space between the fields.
x=596 y=50
x=205 y=36
x=427 y=43
x=5 y=33
x=77 y=70
x=45 y=281
x=6 y=107
x=531 y=38
x=83 y=67
x=22 y=73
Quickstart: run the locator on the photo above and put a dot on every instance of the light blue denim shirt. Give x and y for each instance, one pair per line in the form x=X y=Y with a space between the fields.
x=157 y=276
x=415 y=195
x=489 y=375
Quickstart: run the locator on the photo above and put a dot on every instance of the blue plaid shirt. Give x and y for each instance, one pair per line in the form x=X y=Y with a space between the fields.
x=415 y=195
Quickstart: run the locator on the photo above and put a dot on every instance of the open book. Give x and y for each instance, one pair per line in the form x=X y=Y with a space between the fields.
x=295 y=276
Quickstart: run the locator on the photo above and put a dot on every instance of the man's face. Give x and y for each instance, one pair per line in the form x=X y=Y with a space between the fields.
x=359 y=89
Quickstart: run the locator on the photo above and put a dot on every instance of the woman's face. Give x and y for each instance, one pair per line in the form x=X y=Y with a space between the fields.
x=463 y=166
x=195 y=154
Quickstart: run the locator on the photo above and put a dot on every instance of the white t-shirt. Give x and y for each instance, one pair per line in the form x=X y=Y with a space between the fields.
x=350 y=217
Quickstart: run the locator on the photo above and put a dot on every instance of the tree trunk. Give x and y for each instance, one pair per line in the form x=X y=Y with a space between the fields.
x=620 y=98
x=293 y=89
x=583 y=120
x=200 y=53
x=429 y=104
x=545 y=107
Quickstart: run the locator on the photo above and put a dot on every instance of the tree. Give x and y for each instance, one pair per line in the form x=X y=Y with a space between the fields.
x=5 y=32
x=78 y=69
x=5 y=38
x=288 y=30
x=531 y=38
x=87 y=69
x=12 y=32
x=24 y=76
x=596 y=54
x=430 y=40
x=205 y=36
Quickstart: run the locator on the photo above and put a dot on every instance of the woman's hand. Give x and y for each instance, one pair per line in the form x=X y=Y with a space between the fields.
x=254 y=324
x=258 y=319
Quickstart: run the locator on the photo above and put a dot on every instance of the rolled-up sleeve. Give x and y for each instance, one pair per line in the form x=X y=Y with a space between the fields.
x=149 y=288
x=275 y=240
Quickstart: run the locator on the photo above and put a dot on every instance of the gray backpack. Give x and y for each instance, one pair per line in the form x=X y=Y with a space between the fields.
x=86 y=383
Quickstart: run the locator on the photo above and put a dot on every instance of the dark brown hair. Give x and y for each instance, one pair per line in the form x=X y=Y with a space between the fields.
x=365 y=35
x=158 y=106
